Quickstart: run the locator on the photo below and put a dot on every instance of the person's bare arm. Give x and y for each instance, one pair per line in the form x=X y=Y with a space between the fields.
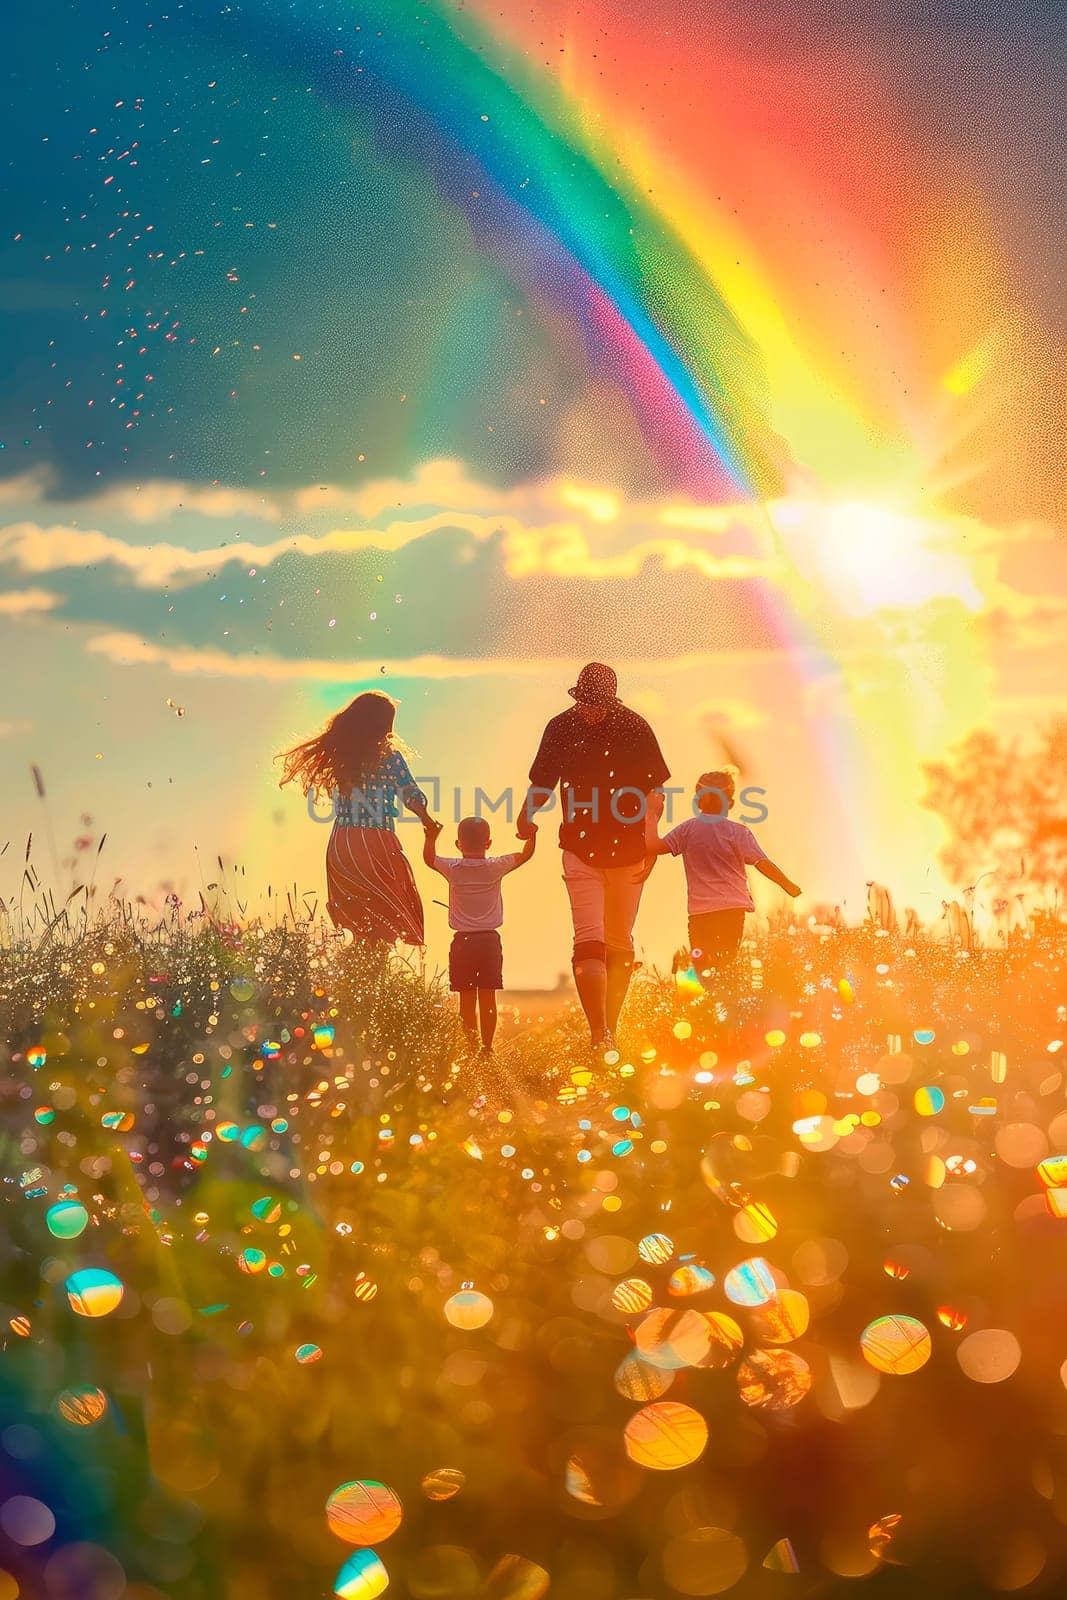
x=776 y=875
x=536 y=799
x=411 y=795
x=413 y=799
x=418 y=804
x=529 y=845
x=431 y=828
x=654 y=848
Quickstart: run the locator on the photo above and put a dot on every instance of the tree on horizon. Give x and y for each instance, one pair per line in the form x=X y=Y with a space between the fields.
x=1004 y=804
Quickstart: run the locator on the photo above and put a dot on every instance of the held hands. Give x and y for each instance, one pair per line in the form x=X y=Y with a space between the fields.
x=431 y=827
x=646 y=870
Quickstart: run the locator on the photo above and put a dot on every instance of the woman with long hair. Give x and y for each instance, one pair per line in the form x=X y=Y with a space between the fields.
x=359 y=760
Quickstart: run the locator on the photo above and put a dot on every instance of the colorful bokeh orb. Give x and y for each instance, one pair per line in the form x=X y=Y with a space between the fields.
x=443 y=1483
x=117 y=1121
x=363 y=1512
x=691 y=1278
x=665 y=1436
x=94 y=1292
x=631 y=1296
x=362 y=1577
x=929 y=1100
x=469 y=1310
x=773 y=1380
x=750 y=1283
x=673 y=1339
x=66 y=1219
x=782 y=1319
x=82 y=1406
x=637 y=1380
x=896 y=1345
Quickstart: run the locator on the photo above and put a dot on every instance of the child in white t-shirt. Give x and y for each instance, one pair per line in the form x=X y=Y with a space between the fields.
x=475 y=913
x=715 y=853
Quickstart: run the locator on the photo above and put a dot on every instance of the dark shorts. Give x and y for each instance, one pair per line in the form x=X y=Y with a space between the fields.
x=716 y=935
x=476 y=961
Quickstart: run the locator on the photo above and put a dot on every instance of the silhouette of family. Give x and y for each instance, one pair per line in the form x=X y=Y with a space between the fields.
x=605 y=762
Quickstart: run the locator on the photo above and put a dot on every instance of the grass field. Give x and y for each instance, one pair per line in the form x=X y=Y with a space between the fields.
x=775 y=1303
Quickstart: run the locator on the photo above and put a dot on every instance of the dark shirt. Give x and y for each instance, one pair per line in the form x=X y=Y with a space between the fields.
x=592 y=763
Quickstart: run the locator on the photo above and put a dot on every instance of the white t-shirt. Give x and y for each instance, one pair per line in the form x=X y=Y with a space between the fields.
x=475 y=903
x=715 y=852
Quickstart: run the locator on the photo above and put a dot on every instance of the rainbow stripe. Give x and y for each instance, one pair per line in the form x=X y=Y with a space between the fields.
x=568 y=223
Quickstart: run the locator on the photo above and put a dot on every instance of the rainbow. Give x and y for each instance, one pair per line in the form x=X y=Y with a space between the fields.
x=560 y=211
x=563 y=217
x=750 y=298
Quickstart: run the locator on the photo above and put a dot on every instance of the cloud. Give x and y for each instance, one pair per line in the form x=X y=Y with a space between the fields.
x=1024 y=622
x=563 y=551
x=443 y=484
x=128 y=649
x=24 y=488
x=154 y=501
x=26 y=602
x=536 y=539
x=863 y=555
x=470 y=571
x=32 y=548
x=161 y=499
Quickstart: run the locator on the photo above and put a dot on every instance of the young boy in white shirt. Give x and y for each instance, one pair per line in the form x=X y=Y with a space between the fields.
x=715 y=853
x=475 y=914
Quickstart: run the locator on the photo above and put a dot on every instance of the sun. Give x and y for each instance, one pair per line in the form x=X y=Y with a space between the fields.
x=867 y=558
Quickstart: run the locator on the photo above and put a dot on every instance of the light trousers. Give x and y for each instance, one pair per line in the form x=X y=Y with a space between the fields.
x=604 y=902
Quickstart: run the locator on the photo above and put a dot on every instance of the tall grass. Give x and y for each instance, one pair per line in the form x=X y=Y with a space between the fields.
x=279 y=1146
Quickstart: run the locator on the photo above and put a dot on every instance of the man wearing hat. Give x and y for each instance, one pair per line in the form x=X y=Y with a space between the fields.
x=606 y=761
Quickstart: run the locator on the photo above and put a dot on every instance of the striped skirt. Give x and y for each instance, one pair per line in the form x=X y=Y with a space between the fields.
x=370 y=886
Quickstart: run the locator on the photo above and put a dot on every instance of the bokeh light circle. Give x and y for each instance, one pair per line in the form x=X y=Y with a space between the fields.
x=468 y=1310
x=443 y=1483
x=363 y=1512
x=704 y=1560
x=773 y=1380
x=989 y=1356
x=94 y=1292
x=362 y=1577
x=632 y=1296
x=26 y=1521
x=750 y=1283
x=665 y=1436
x=66 y=1219
x=82 y=1406
x=897 y=1345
